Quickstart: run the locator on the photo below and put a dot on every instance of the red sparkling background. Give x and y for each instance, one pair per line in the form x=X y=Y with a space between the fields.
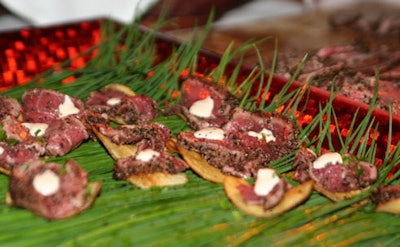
x=29 y=52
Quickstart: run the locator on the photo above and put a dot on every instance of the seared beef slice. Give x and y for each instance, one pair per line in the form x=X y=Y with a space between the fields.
x=204 y=104
x=48 y=189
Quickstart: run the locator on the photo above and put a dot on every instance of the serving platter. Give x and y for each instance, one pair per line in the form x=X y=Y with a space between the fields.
x=197 y=213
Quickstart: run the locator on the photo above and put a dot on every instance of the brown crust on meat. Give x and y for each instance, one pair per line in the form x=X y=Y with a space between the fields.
x=124 y=89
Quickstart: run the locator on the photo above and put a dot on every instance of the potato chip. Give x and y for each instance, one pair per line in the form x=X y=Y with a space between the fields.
x=172 y=145
x=117 y=151
x=158 y=179
x=5 y=171
x=201 y=166
x=143 y=181
x=392 y=207
x=337 y=196
x=120 y=87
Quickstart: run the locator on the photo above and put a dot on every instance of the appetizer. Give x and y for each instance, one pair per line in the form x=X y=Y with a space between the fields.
x=335 y=175
x=122 y=105
x=40 y=105
x=51 y=190
x=56 y=117
x=149 y=168
x=15 y=155
x=140 y=153
x=387 y=199
x=231 y=139
x=270 y=195
x=247 y=142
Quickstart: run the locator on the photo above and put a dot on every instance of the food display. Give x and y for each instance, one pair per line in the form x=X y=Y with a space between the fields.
x=155 y=153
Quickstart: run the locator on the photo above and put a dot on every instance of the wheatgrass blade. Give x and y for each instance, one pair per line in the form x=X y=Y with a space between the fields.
x=271 y=72
x=248 y=101
x=284 y=94
x=230 y=54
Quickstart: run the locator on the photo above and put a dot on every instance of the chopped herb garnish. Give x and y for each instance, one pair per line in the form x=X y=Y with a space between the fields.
x=264 y=136
x=63 y=170
x=360 y=169
x=37 y=132
x=3 y=135
x=12 y=142
x=346 y=159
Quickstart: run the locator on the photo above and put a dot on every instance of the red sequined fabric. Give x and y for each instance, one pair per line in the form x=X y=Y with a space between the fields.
x=29 y=52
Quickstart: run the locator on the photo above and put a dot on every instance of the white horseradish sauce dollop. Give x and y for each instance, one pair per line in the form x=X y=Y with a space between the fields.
x=46 y=183
x=264 y=134
x=147 y=155
x=210 y=133
x=202 y=108
x=67 y=108
x=36 y=129
x=327 y=158
x=113 y=101
x=266 y=181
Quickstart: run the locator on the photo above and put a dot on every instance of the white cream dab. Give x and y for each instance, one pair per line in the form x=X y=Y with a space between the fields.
x=210 y=133
x=147 y=155
x=46 y=183
x=202 y=108
x=327 y=158
x=67 y=108
x=264 y=134
x=266 y=181
x=36 y=129
x=113 y=101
